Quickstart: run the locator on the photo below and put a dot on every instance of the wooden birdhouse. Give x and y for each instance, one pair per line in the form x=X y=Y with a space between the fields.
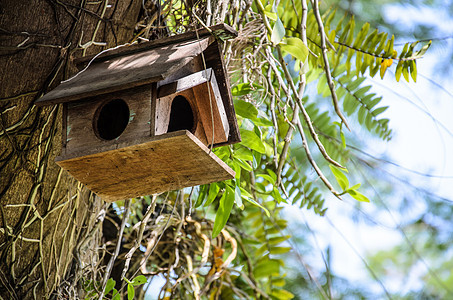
x=141 y=119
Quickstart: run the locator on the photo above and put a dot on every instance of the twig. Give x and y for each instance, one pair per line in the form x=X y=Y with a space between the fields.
x=225 y=264
x=313 y=162
x=204 y=255
x=138 y=241
x=305 y=114
x=377 y=55
x=109 y=268
x=326 y=63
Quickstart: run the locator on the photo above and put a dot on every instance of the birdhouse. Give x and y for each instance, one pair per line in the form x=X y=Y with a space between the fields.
x=141 y=119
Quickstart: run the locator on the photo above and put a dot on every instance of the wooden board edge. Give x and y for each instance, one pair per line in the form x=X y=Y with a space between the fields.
x=229 y=172
x=51 y=99
x=223 y=31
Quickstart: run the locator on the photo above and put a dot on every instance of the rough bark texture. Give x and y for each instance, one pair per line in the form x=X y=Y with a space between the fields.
x=47 y=219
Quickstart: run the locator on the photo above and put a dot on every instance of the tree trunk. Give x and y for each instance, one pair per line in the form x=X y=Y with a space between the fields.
x=47 y=219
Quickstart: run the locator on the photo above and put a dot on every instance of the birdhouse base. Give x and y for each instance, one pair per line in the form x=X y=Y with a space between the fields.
x=153 y=165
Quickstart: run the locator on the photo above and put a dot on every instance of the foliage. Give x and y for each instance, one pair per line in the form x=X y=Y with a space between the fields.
x=110 y=292
x=300 y=78
x=279 y=53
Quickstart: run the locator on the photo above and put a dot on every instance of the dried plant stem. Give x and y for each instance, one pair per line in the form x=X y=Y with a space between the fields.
x=108 y=270
x=313 y=162
x=326 y=63
x=222 y=268
x=305 y=114
x=138 y=241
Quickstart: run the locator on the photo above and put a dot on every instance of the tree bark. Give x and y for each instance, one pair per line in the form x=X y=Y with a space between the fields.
x=48 y=221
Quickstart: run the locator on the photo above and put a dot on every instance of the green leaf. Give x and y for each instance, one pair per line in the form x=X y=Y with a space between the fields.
x=267 y=177
x=109 y=286
x=212 y=194
x=224 y=210
x=246 y=196
x=268 y=11
x=130 y=292
x=296 y=48
x=423 y=50
x=201 y=195
x=243 y=165
x=361 y=36
x=243 y=153
x=266 y=268
x=278 y=32
x=340 y=177
x=252 y=141
x=355 y=187
x=278 y=239
x=238 y=197
x=399 y=70
x=406 y=71
x=279 y=250
x=282 y=294
x=276 y=195
x=343 y=140
x=244 y=89
x=389 y=47
x=413 y=69
x=379 y=110
x=262 y=119
x=116 y=295
x=361 y=114
x=357 y=195
x=139 y=280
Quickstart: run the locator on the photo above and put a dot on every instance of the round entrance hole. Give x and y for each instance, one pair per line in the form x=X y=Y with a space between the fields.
x=111 y=119
x=181 y=115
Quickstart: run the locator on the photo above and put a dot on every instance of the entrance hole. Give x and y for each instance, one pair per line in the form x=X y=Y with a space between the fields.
x=111 y=119
x=181 y=115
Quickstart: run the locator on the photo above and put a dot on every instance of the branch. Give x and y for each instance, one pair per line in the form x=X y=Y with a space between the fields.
x=326 y=63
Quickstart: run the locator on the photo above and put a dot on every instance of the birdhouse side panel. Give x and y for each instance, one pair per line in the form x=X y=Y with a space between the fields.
x=212 y=112
x=107 y=120
x=164 y=111
x=202 y=91
x=214 y=59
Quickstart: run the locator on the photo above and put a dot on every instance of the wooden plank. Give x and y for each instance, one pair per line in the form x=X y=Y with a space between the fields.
x=64 y=131
x=184 y=83
x=211 y=112
x=214 y=59
x=154 y=165
x=222 y=31
x=125 y=72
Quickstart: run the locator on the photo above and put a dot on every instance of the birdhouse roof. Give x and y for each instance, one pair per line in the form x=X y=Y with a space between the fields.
x=135 y=65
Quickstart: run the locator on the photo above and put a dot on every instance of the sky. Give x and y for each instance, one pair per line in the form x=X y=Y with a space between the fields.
x=421 y=118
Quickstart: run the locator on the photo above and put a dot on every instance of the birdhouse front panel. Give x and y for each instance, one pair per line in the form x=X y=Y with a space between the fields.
x=107 y=120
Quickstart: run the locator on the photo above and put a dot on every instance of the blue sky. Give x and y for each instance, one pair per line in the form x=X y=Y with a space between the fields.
x=421 y=116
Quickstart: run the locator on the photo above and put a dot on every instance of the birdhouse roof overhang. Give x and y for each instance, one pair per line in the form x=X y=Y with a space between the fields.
x=140 y=64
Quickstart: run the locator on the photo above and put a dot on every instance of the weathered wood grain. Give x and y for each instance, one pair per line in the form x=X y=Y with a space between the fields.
x=125 y=72
x=214 y=59
x=205 y=99
x=163 y=110
x=222 y=31
x=151 y=165
x=80 y=132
